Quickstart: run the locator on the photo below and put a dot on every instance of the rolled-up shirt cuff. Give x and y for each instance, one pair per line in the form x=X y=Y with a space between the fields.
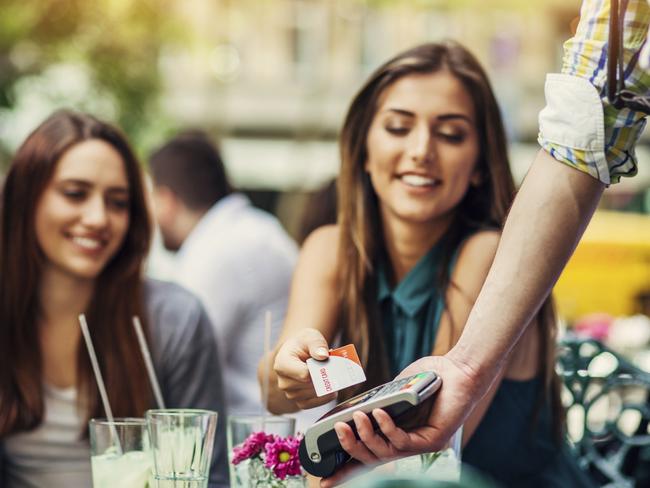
x=571 y=125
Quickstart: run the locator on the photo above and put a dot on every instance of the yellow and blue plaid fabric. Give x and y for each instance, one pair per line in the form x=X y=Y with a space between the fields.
x=585 y=56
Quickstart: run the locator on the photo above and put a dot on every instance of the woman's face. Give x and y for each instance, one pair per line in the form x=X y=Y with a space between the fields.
x=422 y=148
x=82 y=216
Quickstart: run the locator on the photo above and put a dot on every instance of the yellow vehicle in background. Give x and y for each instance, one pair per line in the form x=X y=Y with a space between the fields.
x=610 y=269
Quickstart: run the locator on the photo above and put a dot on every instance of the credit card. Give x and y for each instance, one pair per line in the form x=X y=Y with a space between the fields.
x=340 y=370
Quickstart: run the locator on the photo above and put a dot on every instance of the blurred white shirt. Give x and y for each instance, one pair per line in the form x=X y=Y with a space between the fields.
x=239 y=261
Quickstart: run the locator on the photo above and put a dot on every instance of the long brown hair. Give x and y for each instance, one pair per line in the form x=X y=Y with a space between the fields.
x=483 y=206
x=118 y=293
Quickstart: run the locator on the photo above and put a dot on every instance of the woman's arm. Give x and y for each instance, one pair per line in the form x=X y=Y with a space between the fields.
x=310 y=325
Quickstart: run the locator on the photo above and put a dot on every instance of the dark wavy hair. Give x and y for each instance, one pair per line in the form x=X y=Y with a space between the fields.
x=118 y=293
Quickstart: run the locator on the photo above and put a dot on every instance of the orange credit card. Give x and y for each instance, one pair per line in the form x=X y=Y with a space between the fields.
x=340 y=370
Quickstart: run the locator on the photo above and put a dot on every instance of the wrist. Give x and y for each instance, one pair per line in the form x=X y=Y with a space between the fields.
x=479 y=371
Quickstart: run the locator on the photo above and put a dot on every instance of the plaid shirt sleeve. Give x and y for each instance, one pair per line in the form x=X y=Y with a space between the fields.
x=578 y=126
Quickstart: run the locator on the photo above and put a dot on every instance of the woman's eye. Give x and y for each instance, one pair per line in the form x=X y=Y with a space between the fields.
x=453 y=137
x=73 y=194
x=119 y=203
x=397 y=130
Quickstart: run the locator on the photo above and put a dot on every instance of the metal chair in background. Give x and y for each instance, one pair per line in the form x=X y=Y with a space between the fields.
x=608 y=412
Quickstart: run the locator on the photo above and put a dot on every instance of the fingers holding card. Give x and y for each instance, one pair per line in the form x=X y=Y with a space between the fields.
x=341 y=369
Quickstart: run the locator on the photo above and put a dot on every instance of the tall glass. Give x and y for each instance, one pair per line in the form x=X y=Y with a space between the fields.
x=120 y=453
x=182 y=441
x=251 y=472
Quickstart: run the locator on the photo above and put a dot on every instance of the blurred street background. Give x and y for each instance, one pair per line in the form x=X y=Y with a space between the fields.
x=271 y=80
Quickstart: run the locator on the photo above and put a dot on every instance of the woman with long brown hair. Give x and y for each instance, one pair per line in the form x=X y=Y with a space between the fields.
x=423 y=189
x=74 y=232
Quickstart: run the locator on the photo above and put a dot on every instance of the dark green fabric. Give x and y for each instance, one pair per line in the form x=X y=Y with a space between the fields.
x=505 y=446
x=413 y=302
x=470 y=479
x=510 y=449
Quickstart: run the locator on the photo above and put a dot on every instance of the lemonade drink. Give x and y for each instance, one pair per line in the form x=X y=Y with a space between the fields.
x=129 y=470
x=120 y=453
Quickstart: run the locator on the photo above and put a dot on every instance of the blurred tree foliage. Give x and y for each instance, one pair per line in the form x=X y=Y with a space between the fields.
x=118 y=41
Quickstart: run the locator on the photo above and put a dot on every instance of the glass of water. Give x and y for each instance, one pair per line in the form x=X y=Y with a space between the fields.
x=119 y=453
x=182 y=442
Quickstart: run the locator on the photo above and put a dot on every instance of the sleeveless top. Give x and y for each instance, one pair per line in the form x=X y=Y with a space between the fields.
x=505 y=446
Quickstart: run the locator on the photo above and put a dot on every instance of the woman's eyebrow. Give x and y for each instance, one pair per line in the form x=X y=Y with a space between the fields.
x=400 y=111
x=442 y=117
x=88 y=184
x=74 y=181
x=452 y=116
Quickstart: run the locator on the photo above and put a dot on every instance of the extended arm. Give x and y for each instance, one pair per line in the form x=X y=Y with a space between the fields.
x=309 y=326
x=547 y=219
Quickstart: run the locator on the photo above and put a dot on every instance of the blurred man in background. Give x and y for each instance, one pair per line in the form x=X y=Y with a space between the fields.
x=236 y=258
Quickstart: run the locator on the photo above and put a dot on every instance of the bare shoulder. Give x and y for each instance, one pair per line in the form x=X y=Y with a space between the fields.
x=323 y=239
x=474 y=260
x=320 y=250
x=478 y=249
x=480 y=245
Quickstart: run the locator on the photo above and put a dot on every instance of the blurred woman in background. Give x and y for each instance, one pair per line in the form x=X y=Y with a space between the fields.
x=74 y=232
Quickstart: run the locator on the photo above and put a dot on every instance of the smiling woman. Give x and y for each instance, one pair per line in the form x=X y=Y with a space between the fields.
x=83 y=215
x=75 y=230
x=423 y=189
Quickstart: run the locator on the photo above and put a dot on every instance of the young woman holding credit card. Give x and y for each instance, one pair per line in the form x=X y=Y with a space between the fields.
x=424 y=187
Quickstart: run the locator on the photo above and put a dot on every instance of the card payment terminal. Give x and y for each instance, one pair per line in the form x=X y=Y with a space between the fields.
x=407 y=400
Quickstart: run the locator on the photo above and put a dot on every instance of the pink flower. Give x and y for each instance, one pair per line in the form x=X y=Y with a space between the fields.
x=252 y=446
x=596 y=326
x=281 y=455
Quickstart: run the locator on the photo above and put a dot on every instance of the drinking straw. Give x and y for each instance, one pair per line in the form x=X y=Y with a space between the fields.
x=100 y=381
x=147 y=362
x=267 y=349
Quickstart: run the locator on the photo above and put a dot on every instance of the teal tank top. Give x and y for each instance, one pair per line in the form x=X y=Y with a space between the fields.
x=505 y=446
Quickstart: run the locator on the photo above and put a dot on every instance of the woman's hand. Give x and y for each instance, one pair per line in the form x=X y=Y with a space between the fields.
x=291 y=368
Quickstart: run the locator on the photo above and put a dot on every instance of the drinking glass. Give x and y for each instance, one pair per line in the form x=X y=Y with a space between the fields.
x=182 y=441
x=119 y=453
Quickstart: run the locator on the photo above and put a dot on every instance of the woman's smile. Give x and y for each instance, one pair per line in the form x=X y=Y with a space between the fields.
x=88 y=244
x=418 y=181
